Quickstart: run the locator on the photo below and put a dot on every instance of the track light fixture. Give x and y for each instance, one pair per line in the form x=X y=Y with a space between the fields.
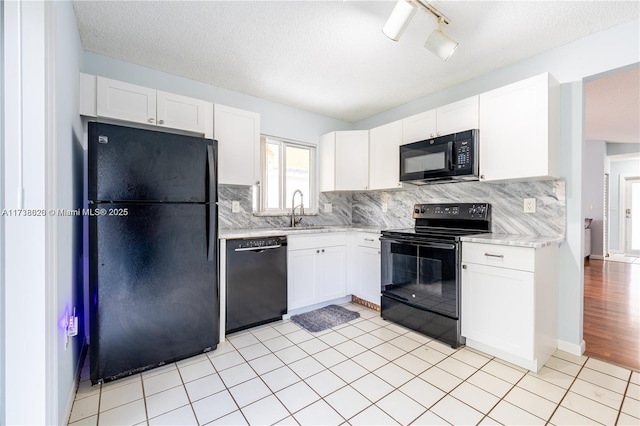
x=437 y=43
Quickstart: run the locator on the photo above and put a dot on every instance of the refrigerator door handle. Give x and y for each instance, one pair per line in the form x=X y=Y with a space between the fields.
x=211 y=202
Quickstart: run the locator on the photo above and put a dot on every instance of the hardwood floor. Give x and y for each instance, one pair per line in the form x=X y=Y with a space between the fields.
x=612 y=312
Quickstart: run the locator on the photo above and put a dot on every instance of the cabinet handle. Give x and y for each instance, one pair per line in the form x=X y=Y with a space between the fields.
x=369 y=239
x=431 y=135
x=317 y=251
x=482 y=177
x=160 y=121
x=501 y=256
x=438 y=134
x=464 y=266
x=151 y=120
x=322 y=250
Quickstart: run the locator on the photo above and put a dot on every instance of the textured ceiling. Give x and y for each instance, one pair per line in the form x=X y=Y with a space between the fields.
x=330 y=57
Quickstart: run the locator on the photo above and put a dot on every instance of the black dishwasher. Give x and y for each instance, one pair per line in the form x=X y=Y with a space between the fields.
x=256 y=281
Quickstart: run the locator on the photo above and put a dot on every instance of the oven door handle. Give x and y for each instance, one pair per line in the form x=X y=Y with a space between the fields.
x=428 y=244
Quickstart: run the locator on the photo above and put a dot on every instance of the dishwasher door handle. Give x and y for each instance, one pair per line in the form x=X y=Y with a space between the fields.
x=258 y=248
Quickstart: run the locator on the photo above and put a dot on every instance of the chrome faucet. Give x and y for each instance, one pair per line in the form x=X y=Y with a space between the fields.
x=294 y=222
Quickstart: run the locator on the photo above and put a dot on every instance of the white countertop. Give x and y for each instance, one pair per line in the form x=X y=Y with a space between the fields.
x=490 y=238
x=532 y=241
x=270 y=232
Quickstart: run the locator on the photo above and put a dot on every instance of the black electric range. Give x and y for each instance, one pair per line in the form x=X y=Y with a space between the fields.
x=420 y=273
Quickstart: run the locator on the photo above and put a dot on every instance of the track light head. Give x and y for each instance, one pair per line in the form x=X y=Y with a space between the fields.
x=399 y=19
x=437 y=43
x=440 y=44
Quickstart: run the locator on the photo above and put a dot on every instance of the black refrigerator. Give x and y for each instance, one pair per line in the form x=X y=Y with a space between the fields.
x=153 y=268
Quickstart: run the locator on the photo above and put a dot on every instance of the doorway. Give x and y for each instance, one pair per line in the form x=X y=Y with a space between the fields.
x=611 y=185
x=632 y=216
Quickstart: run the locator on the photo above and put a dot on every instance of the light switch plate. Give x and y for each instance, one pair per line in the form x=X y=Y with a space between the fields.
x=328 y=208
x=235 y=207
x=529 y=205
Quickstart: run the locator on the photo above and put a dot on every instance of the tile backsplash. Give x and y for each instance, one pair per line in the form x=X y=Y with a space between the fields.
x=365 y=208
x=340 y=210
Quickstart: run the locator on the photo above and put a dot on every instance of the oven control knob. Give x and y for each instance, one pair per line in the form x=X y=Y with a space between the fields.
x=416 y=211
x=422 y=210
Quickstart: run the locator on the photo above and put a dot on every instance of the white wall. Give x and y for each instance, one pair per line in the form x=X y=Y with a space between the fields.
x=593 y=191
x=275 y=119
x=68 y=193
x=41 y=252
x=572 y=63
x=2 y=285
x=25 y=308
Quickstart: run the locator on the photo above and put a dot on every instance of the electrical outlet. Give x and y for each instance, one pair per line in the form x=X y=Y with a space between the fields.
x=529 y=205
x=235 y=207
x=328 y=208
x=385 y=206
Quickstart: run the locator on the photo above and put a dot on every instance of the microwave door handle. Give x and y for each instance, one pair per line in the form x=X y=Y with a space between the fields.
x=450 y=145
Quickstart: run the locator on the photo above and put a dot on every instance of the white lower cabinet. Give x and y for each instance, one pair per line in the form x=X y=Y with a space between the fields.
x=316 y=269
x=365 y=277
x=509 y=302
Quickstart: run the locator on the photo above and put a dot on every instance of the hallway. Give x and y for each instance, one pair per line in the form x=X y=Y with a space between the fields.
x=612 y=312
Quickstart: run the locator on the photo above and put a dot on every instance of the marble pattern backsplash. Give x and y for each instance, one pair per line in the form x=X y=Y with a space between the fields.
x=340 y=214
x=506 y=205
x=365 y=208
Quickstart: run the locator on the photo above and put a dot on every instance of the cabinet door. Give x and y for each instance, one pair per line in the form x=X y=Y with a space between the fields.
x=419 y=127
x=367 y=263
x=458 y=116
x=384 y=156
x=124 y=101
x=301 y=278
x=238 y=135
x=328 y=162
x=331 y=273
x=514 y=126
x=352 y=160
x=181 y=112
x=497 y=308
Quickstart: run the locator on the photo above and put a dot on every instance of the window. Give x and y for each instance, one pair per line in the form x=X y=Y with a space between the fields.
x=286 y=167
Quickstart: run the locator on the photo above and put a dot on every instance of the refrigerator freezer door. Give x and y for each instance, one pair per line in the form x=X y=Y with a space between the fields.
x=127 y=164
x=153 y=292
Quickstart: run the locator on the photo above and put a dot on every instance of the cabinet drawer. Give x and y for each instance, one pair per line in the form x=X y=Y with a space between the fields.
x=307 y=241
x=520 y=258
x=368 y=240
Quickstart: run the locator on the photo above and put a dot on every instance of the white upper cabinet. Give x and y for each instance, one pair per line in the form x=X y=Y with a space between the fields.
x=451 y=118
x=384 y=156
x=419 y=127
x=519 y=130
x=344 y=161
x=104 y=97
x=458 y=116
x=327 y=160
x=238 y=134
x=124 y=101
x=181 y=112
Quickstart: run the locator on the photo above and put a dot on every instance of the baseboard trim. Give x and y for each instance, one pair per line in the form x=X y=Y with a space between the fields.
x=597 y=257
x=302 y=310
x=365 y=303
x=572 y=348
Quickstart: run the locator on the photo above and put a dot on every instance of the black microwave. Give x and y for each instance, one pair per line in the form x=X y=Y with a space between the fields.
x=445 y=158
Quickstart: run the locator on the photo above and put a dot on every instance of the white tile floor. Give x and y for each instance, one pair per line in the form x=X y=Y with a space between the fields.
x=365 y=372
